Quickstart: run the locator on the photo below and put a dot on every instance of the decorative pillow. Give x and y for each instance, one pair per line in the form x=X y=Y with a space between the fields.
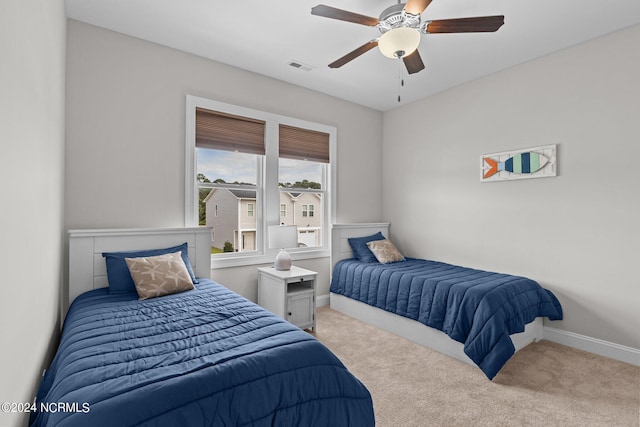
x=159 y=275
x=360 y=249
x=118 y=275
x=385 y=251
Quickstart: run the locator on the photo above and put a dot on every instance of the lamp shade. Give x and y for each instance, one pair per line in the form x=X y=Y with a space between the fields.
x=283 y=236
x=399 y=42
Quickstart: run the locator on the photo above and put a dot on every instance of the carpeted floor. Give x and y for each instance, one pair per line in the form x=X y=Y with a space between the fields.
x=545 y=384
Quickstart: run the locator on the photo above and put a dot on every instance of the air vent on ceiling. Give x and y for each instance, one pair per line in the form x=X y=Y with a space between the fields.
x=299 y=65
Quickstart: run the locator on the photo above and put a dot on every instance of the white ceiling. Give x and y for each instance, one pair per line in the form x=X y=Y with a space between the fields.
x=265 y=36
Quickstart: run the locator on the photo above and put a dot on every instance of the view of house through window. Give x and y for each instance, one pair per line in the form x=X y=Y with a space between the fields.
x=229 y=160
x=297 y=180
x=227 y=198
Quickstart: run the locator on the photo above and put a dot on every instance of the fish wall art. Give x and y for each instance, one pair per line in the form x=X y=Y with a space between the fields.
x=537 y=162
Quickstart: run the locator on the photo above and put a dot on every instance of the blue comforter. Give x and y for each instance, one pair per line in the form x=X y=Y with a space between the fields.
x=477 y=308
x=206 y=357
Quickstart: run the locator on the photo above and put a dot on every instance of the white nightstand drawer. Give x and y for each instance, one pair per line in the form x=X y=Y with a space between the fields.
x=307 y=278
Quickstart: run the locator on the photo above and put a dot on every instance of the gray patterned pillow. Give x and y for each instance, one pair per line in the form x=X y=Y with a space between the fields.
x=155 y=276
x=385 y=251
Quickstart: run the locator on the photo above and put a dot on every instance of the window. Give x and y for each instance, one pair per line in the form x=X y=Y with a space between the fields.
x=228 y=152
x=307 y=210
x=248 y=169
x=302 y=176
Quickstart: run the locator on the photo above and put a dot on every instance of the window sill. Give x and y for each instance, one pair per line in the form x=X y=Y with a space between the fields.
x=218 y=261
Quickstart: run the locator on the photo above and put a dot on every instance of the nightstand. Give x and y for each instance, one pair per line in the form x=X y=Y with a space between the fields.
x=290 y=294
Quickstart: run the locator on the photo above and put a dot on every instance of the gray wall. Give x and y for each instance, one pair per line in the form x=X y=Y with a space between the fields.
x=126 y=130
x=577 y=233
x=32 y=48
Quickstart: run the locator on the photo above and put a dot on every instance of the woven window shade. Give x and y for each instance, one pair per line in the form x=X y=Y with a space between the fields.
x=304 y=144
x=221 y=131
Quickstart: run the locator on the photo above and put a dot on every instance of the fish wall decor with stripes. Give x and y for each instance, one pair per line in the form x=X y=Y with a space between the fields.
x=536 y=162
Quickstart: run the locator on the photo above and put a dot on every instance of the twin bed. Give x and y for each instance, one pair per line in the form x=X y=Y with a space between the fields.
x=475 y=316
x=202 y=357
x=207 y=356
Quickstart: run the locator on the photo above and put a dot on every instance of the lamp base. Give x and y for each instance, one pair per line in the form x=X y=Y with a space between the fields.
x=283 y=261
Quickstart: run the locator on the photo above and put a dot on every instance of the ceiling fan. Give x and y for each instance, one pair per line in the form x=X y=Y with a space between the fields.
x=402 y=29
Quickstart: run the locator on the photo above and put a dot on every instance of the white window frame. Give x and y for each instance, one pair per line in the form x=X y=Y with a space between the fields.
x=267 y=209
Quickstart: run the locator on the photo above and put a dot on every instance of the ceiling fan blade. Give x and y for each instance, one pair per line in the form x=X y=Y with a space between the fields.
x=481 y=24
x=354 y=54
x=416 y=7
x=413 y=62
x=343 y=15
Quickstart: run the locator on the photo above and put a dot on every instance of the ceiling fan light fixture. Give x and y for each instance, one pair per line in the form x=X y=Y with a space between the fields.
x=399 y=42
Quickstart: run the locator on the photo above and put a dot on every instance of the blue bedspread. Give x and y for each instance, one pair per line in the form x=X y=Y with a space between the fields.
x=206 y=357
x=477 y=308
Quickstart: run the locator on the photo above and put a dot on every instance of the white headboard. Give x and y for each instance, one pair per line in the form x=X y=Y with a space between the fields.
x=340 y=233
x=87 y=267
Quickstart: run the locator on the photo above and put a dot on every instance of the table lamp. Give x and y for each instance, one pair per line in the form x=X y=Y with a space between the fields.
x=283 y=237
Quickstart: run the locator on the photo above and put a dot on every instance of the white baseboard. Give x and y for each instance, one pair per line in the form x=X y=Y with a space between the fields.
x=322 y=300
x=593 y=345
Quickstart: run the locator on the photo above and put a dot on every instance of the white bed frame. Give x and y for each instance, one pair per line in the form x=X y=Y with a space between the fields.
x=402 y=326
x=87 y=267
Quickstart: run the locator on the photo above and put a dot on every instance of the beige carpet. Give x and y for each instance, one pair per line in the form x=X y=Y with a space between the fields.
x=545 y=384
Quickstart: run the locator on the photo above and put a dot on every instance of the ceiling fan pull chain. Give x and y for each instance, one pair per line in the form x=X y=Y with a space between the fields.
x=400 y=80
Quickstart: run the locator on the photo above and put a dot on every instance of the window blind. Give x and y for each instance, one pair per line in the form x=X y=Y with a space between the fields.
x=303 y=144
x=221 y=131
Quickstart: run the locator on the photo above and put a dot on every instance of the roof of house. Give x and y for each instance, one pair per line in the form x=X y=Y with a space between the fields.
x=251 y=194
x=244 y=194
